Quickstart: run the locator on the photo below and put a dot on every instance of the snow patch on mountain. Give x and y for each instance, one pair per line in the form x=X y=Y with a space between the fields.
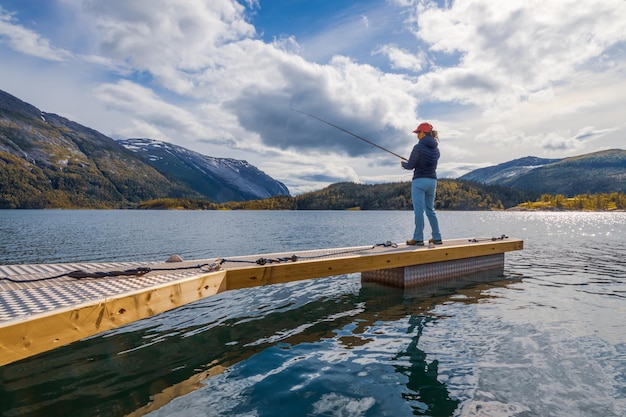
x=221 y=179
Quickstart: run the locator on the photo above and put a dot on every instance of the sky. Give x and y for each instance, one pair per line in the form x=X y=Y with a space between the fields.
x=499 y=80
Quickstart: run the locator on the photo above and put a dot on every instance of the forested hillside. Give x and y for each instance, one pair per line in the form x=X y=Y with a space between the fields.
x=451 y=195
x=581 y=202
x=597 y=172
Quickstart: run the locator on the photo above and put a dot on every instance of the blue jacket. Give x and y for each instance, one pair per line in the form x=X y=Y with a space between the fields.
x=423 y=159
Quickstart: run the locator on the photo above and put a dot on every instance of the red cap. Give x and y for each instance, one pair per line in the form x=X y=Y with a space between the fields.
x=424 y=127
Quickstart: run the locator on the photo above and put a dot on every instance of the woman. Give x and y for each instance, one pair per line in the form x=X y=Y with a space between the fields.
x=423 y=162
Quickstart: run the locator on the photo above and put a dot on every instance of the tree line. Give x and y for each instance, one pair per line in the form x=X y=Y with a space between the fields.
x=581 y=202
x=451 y=195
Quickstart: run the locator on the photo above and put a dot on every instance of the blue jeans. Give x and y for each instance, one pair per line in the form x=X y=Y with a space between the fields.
x=423 y=195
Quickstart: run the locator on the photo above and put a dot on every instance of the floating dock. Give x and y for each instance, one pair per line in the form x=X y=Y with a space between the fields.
x=46 y=306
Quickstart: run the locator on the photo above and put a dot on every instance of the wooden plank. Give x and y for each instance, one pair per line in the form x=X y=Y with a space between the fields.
x=23 y=338
x=299 y=270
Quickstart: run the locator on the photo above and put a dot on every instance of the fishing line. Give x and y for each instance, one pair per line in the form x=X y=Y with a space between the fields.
x=350 y=133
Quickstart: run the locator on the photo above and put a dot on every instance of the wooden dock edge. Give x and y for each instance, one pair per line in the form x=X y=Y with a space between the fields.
x=30 y=336
x=22 y=338
x=287 y=272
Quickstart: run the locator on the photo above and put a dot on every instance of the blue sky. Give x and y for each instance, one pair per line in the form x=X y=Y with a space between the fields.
x=499 y=79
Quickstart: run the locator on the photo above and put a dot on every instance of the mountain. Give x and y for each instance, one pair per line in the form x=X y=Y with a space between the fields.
x=598 y=172
x=502 y=172
x=223 y=179
x=48 y=161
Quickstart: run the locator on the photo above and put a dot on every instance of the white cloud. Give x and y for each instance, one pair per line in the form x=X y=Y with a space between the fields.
x=172 y=40
x=140 y=129
x=509 y=49
x=26 y=41
x=143 y=103
x=402 y=59
x=366 y=21
x=574 y=108
x=306 y=172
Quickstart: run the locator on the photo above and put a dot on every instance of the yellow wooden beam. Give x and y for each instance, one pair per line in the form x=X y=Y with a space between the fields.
x=23 y=338
x=324 y=267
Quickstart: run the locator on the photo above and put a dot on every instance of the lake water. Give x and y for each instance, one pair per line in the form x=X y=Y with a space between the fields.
x=547 y=339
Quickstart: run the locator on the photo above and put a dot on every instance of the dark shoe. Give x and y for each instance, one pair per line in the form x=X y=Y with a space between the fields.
x=414 y=242
x=436 y=242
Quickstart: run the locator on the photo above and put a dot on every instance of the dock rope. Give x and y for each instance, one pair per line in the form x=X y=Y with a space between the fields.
x=140 y=271
x=207 y=267
x=294 y=258
x=488 y=239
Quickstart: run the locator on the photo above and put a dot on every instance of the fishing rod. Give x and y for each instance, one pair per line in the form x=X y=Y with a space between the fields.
x=350 y=133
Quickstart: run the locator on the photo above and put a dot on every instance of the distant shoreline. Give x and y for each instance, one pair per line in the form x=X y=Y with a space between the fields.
x=554 y=209
x=511 y=209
